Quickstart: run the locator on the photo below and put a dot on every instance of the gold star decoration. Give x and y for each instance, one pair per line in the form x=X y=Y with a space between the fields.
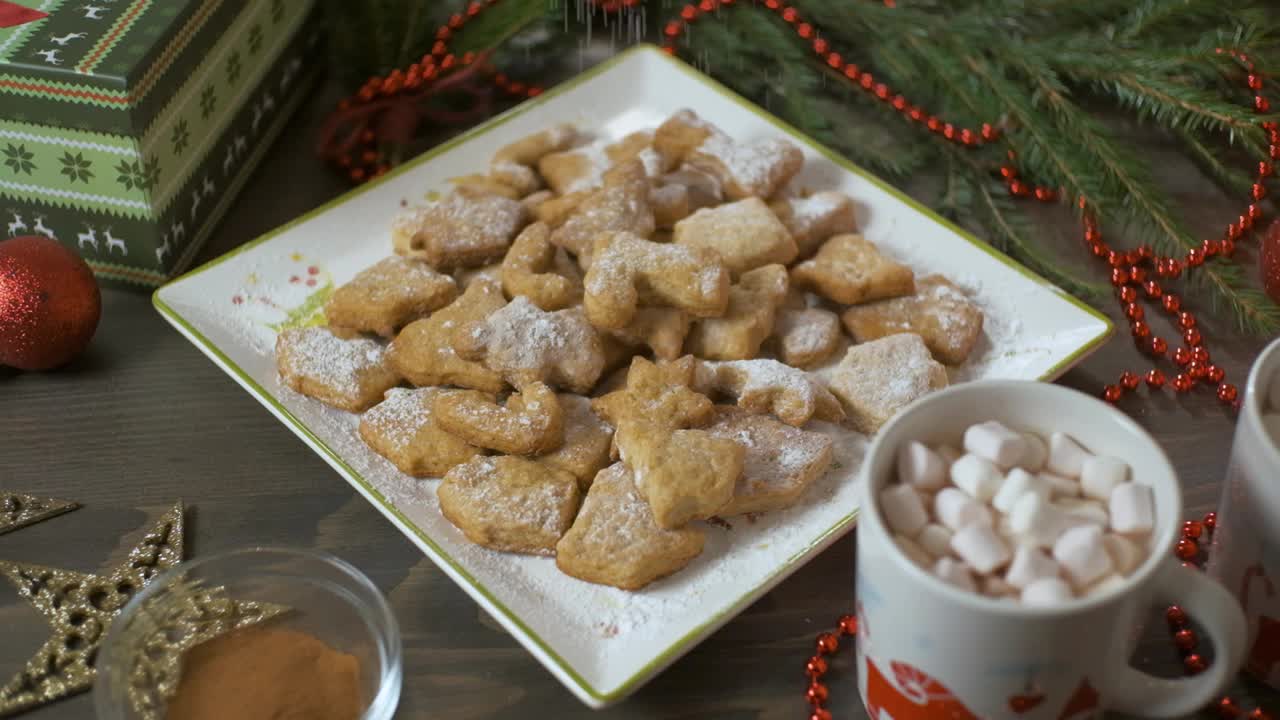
x=155 y=638
x=80 y=607
x=18 y=510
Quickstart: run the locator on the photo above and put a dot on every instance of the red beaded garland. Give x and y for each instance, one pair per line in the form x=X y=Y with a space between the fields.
x=1122 y=276
x=816 y=667
x=817 y=693
x=1227 y=393
x=1185 y=639
x=828 y=643
x=1183 y=382
x=1186 y=549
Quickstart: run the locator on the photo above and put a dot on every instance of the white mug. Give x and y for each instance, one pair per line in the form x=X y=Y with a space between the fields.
x=1245 y=555
x=929 y=651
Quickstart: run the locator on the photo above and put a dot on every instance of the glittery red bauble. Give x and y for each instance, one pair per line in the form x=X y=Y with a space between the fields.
x=49 y=304
x=1269 y=261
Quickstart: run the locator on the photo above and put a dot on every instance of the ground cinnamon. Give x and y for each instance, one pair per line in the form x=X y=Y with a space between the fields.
x=262 y=673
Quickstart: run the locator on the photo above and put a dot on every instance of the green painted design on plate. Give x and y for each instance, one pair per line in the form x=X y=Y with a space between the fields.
x=309 y=314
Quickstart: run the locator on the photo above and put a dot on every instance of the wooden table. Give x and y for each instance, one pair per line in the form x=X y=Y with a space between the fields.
x=143 y=419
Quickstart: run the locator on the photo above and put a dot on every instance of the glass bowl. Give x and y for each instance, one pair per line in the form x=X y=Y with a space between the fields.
x=325 y=597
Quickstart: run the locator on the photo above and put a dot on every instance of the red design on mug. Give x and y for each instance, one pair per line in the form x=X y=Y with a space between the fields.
x=920 y=698
x=1265 y=654
x=1082 y=703
x=12 y=14
x=1026 y=702
x=1251 y=572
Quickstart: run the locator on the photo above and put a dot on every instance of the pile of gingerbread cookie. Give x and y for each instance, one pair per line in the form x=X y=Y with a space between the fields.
x=600 y=345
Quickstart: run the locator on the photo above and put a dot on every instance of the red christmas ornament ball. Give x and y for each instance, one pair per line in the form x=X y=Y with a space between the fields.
x=1269 y=261
x=49 y=304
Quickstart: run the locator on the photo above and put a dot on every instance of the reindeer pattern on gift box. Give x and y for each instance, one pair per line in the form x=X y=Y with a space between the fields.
x=163 y=250
x=90 y=237
x=42 y=229
x=17 y=227
x=114 y=243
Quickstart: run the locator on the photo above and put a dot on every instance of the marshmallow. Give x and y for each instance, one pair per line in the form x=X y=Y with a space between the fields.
x=1029 y=564
x=995 y=587
x=1133 y=508
x=935 y=539
x=921 y=467
x=1125 y=554
x=1066 y=457
x=995 y=442
x=903 y=510
x=1037 y=452
x=1105 y=585
x=981 y=548
x=1036 y=520
x=953 y=572
x=1100 y=475
x=1082 y=555
x=976 y=476
x=1060 y=486
x=957 y=510
x=1017 y=482
x=949 y=454
x=913 y=551
x=1084 y=511
x=1046 y=592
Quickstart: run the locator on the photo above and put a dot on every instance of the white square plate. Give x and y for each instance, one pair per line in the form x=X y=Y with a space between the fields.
x=600 y=642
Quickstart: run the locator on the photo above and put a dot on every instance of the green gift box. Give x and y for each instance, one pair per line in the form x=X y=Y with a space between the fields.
x=128 y=126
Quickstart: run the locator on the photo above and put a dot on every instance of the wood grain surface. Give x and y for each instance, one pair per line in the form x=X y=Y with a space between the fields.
x=144 y=419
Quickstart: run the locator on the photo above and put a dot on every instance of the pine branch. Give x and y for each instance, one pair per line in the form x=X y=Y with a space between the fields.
x=497 y=24
x=821 y=107
x=1231 y=179
x=1011 y=231
x=1146 y=204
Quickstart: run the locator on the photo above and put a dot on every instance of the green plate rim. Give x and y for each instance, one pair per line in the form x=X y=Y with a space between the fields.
x=682 y=644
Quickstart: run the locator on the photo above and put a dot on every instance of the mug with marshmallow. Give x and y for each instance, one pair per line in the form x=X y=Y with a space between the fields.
x=1013 y=536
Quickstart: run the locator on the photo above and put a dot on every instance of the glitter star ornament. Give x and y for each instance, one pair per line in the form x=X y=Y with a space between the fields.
x=155 y=638
x=80 y=607
x=18 y=510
